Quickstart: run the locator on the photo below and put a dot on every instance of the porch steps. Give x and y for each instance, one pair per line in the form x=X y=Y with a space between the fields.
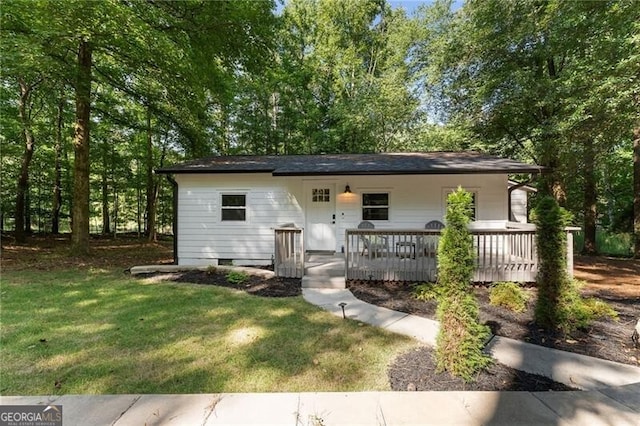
x=324 y=271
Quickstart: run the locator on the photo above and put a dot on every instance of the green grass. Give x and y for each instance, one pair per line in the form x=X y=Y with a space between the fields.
x=101 y=332
x=607 y=243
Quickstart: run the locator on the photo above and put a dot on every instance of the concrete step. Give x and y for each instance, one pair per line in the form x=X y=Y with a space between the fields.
x=323 y=282
x=331 y=266
x=320 y=271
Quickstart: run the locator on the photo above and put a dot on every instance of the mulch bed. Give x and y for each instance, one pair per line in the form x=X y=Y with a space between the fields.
x=416 y=371
x=258 y=286
x=605 y=338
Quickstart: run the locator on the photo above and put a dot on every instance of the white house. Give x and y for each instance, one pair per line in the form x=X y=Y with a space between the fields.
x=229 y=206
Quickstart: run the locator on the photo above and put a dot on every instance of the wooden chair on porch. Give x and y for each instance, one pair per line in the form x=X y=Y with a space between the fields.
x=374 y=245
x=428 y=245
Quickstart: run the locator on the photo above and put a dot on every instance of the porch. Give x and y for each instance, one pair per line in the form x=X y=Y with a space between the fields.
x=410 y=255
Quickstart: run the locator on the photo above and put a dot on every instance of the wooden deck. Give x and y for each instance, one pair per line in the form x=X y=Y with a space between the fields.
x=411 y=255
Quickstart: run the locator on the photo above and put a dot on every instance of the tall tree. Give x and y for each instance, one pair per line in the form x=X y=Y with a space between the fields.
x=57 y=179
x=636 y=191
x=340 y=82
x=536 y=81
x=460 y=341
x=25 y=108
x=80 y=212
x=168 y=54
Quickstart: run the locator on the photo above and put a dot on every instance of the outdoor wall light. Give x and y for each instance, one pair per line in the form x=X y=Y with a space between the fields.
x=347 y=189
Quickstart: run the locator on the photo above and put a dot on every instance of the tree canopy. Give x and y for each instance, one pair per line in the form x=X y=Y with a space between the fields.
x=95 y=95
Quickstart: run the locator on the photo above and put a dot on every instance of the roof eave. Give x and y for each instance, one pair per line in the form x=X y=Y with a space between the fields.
x=410 y=172
x=207 y=171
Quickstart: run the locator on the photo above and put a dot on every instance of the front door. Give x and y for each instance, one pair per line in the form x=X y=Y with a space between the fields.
x=320 y=231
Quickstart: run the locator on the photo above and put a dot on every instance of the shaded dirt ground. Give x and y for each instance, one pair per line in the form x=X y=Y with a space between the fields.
x=609 y=277
x=52 y=252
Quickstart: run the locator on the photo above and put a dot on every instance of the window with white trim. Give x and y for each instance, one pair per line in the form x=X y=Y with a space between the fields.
x=234 y=207
x=375 y=206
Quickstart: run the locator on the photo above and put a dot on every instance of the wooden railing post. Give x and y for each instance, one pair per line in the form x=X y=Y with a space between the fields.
x=570 y=253
x=289 y=252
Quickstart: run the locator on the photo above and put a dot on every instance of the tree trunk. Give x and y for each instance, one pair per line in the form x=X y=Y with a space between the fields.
x=138 y=203
x=57 y=175
x=106 y=223
x=80 y=212
x=636 y=191
x=27 y=209
x=551 y=183
x=151 y=185
x=590 y=199
x=29 y=146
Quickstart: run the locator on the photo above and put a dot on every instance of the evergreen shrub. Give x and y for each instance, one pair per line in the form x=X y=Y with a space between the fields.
x=461 y=339
x=554 y=290
x=560 y=305
x=509 y=295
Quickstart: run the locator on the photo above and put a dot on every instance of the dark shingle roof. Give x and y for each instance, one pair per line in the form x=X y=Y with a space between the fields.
x=356 y=164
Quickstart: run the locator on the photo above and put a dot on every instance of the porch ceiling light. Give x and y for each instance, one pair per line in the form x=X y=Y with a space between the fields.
x=347 y=189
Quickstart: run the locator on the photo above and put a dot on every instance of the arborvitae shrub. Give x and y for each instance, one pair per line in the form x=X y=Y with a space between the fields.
x=554 y=290
x=560 y=305
x=461 y=339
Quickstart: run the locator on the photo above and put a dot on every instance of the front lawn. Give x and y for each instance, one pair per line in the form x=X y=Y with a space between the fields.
x=98 y=331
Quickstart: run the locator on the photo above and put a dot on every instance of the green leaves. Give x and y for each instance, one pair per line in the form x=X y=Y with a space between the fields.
x=340 y=82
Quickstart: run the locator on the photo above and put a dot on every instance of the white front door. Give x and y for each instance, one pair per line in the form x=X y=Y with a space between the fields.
x=320 y=232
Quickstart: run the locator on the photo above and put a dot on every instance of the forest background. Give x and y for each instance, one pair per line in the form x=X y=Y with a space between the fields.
x=95 y=95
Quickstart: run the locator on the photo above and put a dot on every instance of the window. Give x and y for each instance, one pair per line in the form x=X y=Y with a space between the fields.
x=375 y=206
x=473 y=206
x=234 y=207
x=321 y=195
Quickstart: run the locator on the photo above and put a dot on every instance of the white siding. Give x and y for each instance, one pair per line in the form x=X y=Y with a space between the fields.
x=203 y=237
x=271 y=201
x=416 y=200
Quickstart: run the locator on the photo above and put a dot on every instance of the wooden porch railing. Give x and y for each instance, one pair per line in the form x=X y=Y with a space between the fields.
x=411 y=255
x=391 y=255
x=289 y=252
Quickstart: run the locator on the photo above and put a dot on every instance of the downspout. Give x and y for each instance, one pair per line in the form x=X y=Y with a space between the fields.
x=510 y=191
x=174 y=185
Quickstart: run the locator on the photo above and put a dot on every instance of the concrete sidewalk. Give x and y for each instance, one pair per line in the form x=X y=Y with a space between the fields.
x=618 y=407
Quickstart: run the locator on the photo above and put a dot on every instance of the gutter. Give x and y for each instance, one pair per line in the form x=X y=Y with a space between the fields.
x=174 y=185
